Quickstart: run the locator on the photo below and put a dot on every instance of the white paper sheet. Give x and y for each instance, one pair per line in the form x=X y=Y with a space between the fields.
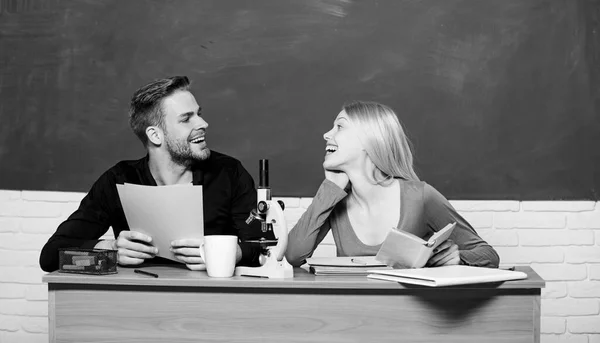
x=166 y=213
x=447 y=275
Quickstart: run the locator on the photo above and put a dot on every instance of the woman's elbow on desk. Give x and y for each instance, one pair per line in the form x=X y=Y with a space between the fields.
x=294 y=258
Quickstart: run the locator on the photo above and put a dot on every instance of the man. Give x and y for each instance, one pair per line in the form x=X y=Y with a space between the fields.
x=168 y=120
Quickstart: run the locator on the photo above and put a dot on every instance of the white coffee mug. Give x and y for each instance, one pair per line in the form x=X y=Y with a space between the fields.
x=218 y=253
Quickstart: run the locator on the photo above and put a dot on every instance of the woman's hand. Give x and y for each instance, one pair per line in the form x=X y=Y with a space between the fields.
x=446 y=254
x=338 y=177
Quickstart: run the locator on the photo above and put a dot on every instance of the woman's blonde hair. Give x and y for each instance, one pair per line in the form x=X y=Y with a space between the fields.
x=384 y=140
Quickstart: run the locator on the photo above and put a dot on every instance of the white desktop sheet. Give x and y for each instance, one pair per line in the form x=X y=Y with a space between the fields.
x=166 y=213
x=447 y=275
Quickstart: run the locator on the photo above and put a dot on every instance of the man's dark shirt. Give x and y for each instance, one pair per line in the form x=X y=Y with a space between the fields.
x=228 y=197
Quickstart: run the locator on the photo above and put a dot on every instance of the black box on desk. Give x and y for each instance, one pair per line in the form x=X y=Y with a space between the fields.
x=87 y=261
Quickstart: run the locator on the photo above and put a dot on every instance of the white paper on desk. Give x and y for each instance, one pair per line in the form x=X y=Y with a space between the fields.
x=446 y=275
x=166 y=213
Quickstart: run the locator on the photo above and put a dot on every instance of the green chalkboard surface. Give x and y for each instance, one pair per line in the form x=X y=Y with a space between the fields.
x=501 y=99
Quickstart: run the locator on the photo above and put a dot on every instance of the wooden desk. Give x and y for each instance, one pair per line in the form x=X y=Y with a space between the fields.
x=186 y=306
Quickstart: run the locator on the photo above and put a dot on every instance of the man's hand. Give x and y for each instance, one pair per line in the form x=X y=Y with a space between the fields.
x=337 y=177
x=133 y=247
x=188 y=252
x=446 y=254
x=238 y=254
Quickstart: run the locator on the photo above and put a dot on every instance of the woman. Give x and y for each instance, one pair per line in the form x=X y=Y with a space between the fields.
x=370 y=187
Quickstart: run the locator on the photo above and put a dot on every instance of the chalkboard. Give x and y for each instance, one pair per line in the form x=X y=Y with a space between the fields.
x=499 y=97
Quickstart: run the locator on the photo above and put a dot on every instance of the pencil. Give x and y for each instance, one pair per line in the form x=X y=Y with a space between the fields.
x=145 y=272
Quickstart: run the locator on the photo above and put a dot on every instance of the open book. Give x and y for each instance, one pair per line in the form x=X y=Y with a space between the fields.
x=446 y=275
x=348 y=265
x=402 y=249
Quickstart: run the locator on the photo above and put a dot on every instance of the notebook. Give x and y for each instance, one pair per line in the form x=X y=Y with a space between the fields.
x=446 y=275
x=347 y=265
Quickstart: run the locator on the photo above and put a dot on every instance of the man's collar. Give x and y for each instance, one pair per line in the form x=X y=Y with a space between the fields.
x=198 y=172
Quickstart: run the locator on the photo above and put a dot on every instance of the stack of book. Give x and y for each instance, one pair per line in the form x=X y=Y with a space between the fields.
x=350 y=265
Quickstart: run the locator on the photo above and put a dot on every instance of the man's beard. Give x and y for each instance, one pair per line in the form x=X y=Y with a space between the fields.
x=182 y=154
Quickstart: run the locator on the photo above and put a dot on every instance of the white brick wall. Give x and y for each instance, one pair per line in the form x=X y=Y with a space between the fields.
x=559 y=239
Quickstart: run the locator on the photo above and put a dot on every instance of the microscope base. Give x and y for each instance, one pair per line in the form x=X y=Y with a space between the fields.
x=272 y=269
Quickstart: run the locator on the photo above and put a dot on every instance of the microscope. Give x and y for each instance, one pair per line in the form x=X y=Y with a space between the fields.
x=270 y=214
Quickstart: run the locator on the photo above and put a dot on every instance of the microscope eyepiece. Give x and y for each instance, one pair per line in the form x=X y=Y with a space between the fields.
x=263 y=173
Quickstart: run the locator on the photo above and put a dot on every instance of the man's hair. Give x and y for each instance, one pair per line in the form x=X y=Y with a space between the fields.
x=384 y=140
x=146 y=104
